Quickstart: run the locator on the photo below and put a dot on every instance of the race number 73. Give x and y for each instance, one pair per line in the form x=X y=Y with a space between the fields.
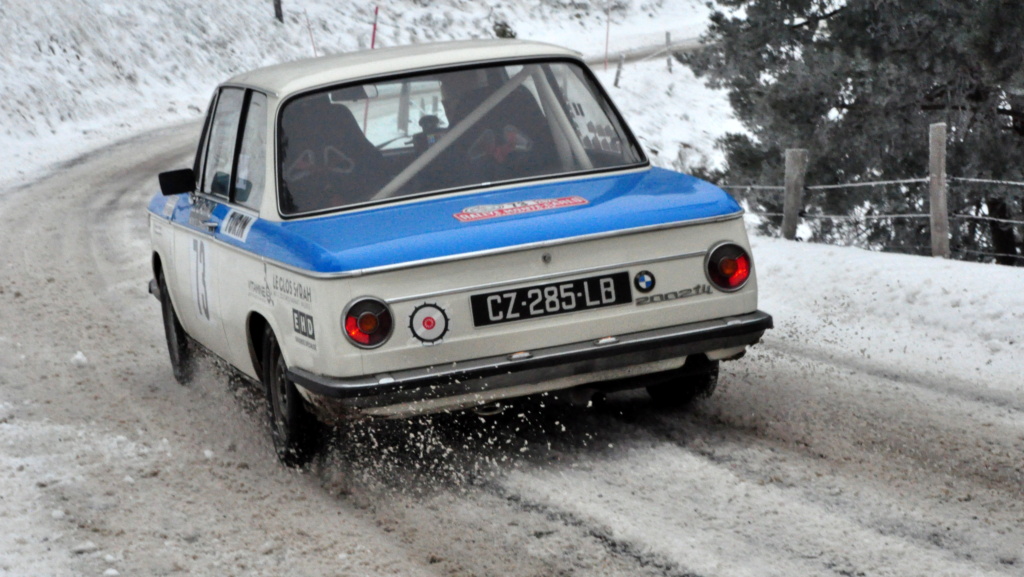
x=199 y=277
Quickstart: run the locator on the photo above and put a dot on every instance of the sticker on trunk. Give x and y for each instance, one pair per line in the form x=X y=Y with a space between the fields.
x=486 y=211
x=428 y=323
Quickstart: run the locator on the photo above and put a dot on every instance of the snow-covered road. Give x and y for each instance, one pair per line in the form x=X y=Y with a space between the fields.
x=878 y=430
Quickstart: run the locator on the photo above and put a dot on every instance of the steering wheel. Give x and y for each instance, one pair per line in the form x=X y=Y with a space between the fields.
x=331 y=162
x=499 y=147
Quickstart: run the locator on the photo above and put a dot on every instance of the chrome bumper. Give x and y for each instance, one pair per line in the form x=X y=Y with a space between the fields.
x=470 y=383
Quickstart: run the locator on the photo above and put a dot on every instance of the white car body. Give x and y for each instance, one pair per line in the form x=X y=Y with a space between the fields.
x=235 y=269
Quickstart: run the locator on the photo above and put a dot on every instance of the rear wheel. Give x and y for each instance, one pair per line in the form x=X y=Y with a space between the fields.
x=696 y=379
x=181 y=351
x=293 y=429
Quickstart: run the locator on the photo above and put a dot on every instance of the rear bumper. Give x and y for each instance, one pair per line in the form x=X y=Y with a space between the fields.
x=470 y=383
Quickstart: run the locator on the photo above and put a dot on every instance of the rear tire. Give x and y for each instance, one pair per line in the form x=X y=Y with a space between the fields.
x=181 y=351
x=696 y=379
x=294 y=430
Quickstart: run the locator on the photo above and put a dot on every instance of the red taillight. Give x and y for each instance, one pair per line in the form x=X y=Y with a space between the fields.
x=353 y=332
x=728 y=267
x=367 y=323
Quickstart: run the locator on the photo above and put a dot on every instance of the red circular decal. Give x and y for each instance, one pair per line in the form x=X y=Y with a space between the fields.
x=429 y=323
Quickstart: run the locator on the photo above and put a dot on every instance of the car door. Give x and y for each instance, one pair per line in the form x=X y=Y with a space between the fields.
x=241 y=275
x=195 y=247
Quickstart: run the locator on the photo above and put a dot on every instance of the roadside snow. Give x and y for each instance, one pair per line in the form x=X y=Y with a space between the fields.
x=954 y=323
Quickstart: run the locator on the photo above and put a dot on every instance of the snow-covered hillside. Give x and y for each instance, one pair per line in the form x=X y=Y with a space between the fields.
x=79 y=74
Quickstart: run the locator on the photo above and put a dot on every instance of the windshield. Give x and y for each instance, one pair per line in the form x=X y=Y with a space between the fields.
x=445 y=130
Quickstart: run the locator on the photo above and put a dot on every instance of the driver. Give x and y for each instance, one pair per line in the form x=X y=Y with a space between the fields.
x=462 y=92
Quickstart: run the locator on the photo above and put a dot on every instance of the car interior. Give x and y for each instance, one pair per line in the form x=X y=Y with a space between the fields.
x=442 y=131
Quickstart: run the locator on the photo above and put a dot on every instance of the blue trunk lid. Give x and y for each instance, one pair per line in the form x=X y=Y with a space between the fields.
x=447 y=226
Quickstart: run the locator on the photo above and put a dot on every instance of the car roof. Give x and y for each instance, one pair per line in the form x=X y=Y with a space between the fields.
x=300 y=75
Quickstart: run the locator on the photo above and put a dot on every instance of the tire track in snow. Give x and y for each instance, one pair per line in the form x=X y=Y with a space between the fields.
x=638 y=553
x=972 y=392
x=866 y=450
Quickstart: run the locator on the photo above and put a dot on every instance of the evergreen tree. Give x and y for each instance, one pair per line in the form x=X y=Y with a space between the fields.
x=857 y=82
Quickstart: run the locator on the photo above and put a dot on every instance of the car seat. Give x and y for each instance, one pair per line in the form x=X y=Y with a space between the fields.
x=326 y=160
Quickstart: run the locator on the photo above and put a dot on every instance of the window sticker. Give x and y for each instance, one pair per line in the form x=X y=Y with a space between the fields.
x=237 y=225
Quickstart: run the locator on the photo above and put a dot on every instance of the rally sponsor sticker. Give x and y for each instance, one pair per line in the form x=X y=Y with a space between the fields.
x=237 y=225
x=169 y=206
x=428 y=323
x=486 y=211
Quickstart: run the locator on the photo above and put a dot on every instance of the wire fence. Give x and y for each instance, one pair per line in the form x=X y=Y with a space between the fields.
x=866 y=184
x=836 y=187
x=862 y=226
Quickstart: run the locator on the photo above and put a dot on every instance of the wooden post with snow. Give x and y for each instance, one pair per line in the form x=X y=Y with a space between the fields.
x=668 y=50
x=937 y=189
x=618 y=71
x=796 y=174
x=278 y=11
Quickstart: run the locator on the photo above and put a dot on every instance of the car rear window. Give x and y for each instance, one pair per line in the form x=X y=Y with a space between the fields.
x=439 y=131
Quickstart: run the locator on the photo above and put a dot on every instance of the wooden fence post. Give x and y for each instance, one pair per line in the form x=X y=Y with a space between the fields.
x=278 y=12
x=796 y=173
x=937 y=189
x=668 y=49
x=618 y=71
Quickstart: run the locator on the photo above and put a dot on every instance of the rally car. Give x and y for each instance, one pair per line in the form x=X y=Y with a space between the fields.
x=440 y=227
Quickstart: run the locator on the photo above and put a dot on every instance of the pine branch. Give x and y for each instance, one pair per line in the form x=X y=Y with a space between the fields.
x=817 y=18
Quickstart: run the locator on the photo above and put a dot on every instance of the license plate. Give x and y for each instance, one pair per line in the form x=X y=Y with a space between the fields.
x=551 y=299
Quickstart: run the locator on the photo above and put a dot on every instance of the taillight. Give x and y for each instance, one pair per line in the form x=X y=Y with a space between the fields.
x=728 y=267
x=367 y=323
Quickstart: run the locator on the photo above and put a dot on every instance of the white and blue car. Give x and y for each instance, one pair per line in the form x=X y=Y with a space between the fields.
x=440 y=227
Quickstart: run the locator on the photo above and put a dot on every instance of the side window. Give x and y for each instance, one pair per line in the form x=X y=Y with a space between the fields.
x=252 y=167
x=223 y=132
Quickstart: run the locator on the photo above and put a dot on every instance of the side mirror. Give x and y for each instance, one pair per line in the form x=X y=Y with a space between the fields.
x=177 y=181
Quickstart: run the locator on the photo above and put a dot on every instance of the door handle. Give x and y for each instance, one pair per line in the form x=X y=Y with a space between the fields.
x=211 y=225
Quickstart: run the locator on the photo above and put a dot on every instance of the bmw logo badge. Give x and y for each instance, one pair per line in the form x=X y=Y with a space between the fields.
x=644 y=281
